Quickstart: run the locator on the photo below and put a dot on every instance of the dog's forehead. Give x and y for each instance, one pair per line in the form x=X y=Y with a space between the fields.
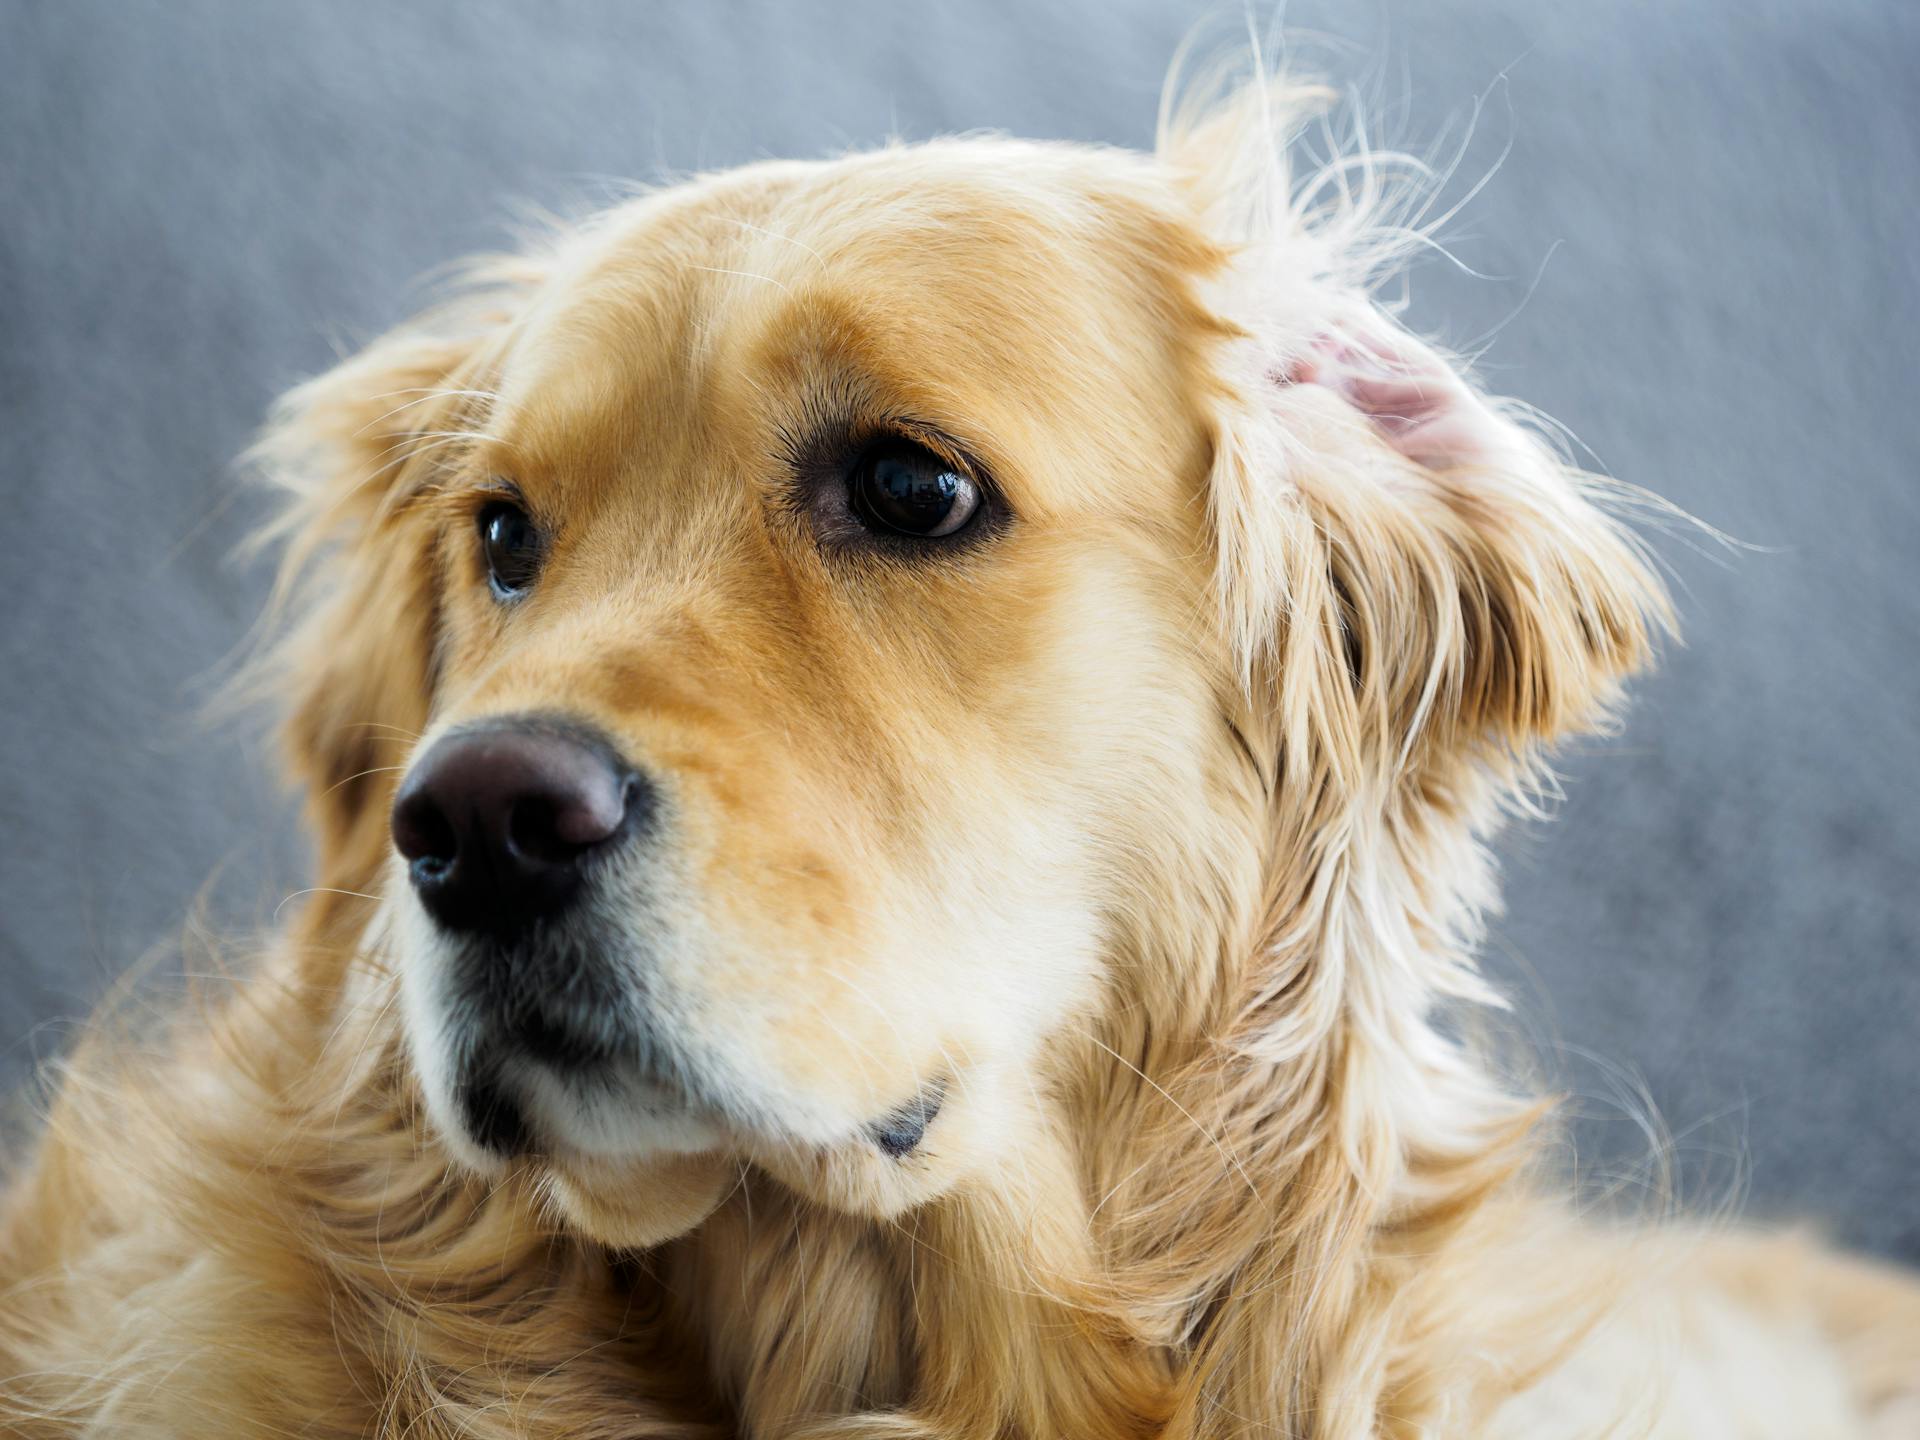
x=996 y=289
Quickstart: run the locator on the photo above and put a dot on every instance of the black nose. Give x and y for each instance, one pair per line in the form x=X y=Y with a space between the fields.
x=497 y=821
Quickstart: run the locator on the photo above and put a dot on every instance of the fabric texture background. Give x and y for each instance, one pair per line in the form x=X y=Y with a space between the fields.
x=1697 y=253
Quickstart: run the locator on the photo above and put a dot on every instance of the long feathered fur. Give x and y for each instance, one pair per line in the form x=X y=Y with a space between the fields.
x=1262 y=1191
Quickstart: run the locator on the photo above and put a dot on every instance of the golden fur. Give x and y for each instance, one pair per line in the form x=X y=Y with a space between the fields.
x=1156 y=823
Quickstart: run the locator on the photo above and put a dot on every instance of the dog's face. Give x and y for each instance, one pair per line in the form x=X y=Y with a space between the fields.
x=824 y=593
x=817 y=612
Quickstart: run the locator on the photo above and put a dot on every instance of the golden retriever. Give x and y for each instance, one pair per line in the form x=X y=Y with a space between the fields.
x=901 y=754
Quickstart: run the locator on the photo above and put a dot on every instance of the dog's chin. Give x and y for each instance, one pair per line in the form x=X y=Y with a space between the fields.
x=603 y=1122
x=631 y=1176
x=639 y=1202
x=632 y=1164
x=636 y=1204
x=612 y=1119
x=640 y=1180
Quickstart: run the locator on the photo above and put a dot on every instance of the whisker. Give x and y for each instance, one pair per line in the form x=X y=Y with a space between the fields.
x=361 y=774
x=400 y=730
x=322 y=890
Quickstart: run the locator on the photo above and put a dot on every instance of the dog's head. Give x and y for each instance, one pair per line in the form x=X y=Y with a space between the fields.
x=812 y=646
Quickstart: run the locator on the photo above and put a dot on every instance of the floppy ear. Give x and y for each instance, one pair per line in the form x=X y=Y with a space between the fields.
x=354 y=449
x=1481 y=600
x=1422 y=574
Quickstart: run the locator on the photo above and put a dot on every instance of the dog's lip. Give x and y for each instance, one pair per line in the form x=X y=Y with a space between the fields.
x=899 y=1132
x=636 y=1117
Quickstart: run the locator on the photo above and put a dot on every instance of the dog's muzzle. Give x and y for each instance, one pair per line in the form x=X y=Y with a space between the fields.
x=526 y=841
x=508 y=828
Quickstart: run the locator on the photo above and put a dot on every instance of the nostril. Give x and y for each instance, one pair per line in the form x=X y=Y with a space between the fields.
x=535 y=831
x=422 y=833
x=560 y=826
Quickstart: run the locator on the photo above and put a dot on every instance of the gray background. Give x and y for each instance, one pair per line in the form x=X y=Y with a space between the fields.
x=199 y=201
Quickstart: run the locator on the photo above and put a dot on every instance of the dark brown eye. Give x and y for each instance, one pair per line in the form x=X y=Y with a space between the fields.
x=513 y=549
x=905 y=488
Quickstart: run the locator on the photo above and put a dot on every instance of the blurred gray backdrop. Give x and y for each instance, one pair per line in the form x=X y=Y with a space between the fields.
x=1699 y=254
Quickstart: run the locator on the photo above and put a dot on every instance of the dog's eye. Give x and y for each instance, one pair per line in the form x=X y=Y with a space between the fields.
x=903 y=487
x=512 y=546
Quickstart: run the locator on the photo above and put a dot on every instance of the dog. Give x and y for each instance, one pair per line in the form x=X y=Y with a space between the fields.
x=900 y=752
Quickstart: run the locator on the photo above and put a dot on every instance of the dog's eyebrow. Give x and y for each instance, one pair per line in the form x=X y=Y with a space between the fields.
x=828 y=443
x=840 y=409
x=425 y=394
x=832 y=404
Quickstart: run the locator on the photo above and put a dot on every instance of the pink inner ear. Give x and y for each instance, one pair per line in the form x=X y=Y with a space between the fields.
x=1416 y=400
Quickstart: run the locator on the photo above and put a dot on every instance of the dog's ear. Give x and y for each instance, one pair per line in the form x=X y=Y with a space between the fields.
x=357 y=449
x=1389 y=535
x=1420 y=574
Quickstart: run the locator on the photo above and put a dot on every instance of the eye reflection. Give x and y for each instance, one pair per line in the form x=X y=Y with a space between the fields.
x=905 y=488
x=513 y=548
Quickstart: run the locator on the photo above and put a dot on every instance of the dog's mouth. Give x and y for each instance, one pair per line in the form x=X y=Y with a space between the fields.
x=522 y=1106
x=553 y=1046
x=529 y=1097
x=523 y=1111
x=898 y=1133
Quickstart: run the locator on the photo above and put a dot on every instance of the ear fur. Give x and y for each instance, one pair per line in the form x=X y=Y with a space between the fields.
x=354 y=449
x=1420 y=573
